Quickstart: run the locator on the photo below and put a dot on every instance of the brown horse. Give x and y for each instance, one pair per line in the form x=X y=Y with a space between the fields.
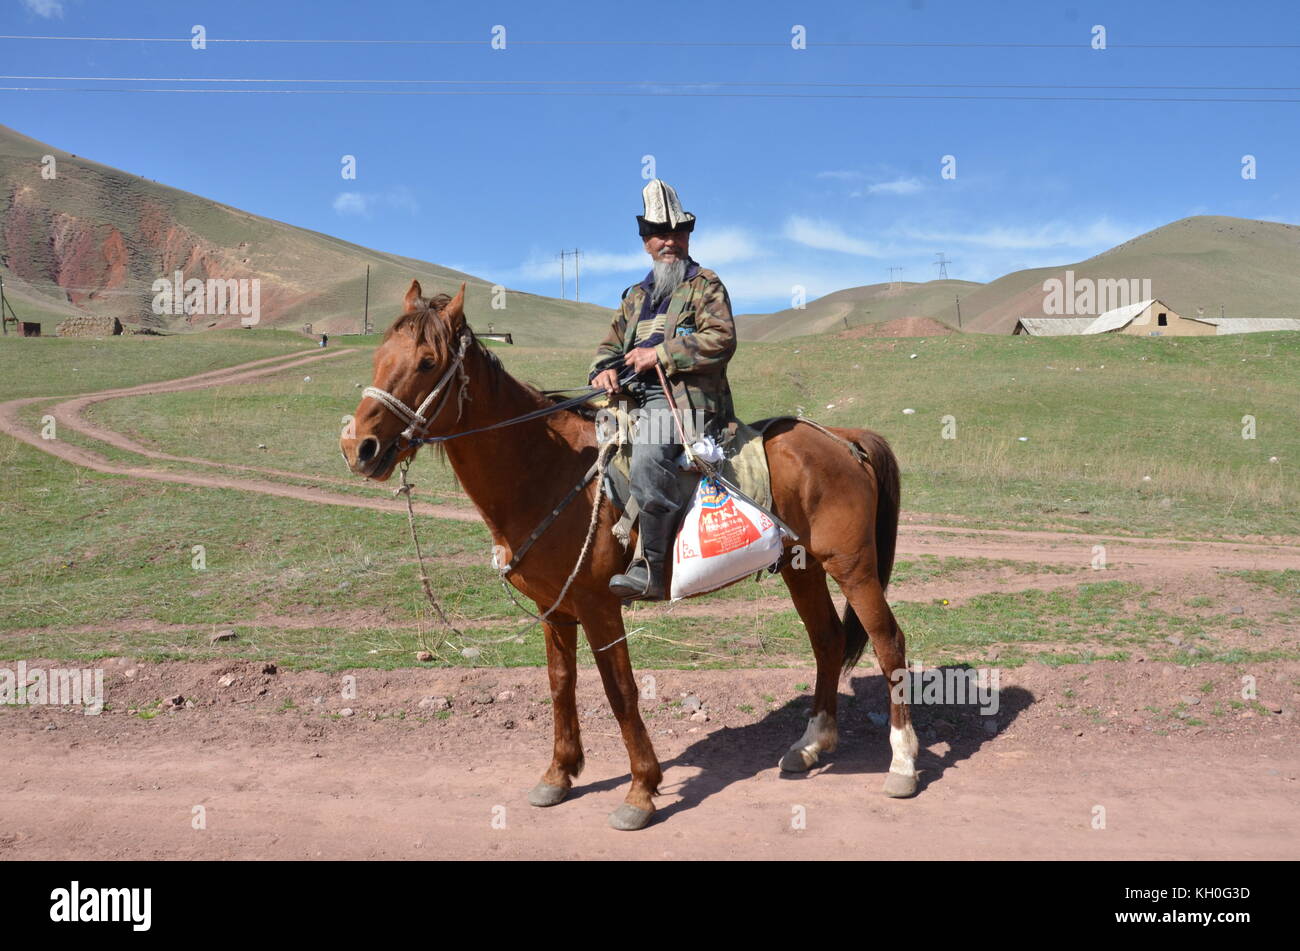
x=842 y=503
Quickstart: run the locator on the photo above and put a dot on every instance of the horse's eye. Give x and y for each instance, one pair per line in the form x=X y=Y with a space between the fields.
x=426 y=365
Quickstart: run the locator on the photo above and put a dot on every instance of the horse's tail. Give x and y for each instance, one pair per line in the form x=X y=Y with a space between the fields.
x=888 y=488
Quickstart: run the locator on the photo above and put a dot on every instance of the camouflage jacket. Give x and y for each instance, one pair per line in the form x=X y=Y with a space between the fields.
x=699 y=339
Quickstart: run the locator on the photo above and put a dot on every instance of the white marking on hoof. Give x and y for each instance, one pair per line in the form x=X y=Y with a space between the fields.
x=903 y=743
x=820 y=736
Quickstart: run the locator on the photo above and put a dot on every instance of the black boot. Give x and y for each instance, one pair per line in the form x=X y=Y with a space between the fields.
x=644 y=580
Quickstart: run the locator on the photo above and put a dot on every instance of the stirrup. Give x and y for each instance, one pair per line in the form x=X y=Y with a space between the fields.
x=631 y=586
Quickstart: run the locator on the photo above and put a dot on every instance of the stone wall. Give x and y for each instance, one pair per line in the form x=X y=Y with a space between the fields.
x=89 y=325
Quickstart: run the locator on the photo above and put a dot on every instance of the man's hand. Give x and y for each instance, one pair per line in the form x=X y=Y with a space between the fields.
x=607 y=380
x=641 y=358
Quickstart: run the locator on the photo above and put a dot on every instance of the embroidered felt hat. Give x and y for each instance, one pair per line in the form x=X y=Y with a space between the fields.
x=663 y=210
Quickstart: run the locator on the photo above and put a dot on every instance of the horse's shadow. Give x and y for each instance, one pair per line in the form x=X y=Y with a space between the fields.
x=733 y=754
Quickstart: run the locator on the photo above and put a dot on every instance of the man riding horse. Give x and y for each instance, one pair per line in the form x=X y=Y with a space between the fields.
x=678 y=319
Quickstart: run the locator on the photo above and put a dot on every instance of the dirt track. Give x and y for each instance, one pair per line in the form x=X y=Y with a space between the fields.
x=280 y=776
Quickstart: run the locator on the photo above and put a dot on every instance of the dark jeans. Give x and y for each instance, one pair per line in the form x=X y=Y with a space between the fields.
x=655 y=448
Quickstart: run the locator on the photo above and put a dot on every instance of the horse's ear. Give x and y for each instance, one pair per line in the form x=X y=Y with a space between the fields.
x=413 y=297
x=455 y=311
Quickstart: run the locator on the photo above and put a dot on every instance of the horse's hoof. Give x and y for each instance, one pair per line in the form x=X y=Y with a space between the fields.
x=898 y=786
x=798 y=760
x=544 y=794
x=628 y=818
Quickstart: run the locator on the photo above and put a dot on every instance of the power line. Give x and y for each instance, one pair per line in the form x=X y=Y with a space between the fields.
x=1083 y=44
x=650 y=95
x=644 y=82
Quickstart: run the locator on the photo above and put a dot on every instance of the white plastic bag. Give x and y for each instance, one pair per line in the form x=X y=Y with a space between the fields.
x=705 y=449
x=722 y=538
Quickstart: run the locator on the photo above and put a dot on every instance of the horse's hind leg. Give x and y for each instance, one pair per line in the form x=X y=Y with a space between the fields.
x=562 y=668
x=812 y=599
x=867 y=598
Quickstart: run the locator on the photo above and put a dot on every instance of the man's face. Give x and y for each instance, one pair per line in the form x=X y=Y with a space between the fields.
x=669 y=246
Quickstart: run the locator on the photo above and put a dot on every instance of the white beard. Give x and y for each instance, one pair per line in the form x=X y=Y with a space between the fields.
x=668 y=276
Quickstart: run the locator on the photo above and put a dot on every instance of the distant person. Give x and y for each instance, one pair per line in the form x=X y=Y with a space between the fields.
x=677 y=319
x=324 y=339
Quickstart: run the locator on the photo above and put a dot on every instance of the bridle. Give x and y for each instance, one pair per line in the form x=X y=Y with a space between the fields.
x=416 y=420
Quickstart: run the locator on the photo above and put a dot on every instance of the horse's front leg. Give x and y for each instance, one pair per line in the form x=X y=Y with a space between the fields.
x=603 y=622
x=562 y=668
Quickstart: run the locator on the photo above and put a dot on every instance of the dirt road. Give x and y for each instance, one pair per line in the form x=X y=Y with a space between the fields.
x=280 y=775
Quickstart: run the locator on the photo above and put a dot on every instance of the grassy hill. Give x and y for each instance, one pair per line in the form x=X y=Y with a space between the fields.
x=94 y=239
x=1251 y=268
x=856 y=307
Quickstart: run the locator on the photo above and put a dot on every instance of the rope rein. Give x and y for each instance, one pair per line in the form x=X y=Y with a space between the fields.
x=418 y=424
x=404 y=490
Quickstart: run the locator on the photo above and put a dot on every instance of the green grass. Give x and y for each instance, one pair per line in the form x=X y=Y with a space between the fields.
x=1170 y=411
x=1285 y=583
x=56 y=366
x=96 y=565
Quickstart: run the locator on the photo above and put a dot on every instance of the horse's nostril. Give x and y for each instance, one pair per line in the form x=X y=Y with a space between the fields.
x=368 y=449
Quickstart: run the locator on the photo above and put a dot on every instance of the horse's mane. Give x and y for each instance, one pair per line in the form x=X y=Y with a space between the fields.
x=424 y=322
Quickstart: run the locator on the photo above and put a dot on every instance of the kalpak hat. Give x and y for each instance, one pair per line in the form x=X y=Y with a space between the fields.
x=663 y=210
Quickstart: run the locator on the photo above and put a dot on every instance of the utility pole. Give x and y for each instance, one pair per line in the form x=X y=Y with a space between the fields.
x=577 y=272
x=365 y=319
x=942 y=265
x=958 y=300
x=6 y=306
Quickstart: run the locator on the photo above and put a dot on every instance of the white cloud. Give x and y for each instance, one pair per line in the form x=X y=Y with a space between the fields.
x=45 y=8
x=1099 y=234
x=364 y=204
x=717 y=246
x=591 y=262
x=770 y=287
x=899 y=186
x=828 y=237
x=350 y=203
x=724 y=246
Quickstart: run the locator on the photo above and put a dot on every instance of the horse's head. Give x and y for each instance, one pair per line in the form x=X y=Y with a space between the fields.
x=418 y=355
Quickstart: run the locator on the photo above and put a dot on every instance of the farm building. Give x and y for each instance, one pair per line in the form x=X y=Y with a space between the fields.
x=1150 y=318
x=1052 y=326
x=1252 y=325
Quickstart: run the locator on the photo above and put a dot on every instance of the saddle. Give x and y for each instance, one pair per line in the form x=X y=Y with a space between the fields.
x=744 y=463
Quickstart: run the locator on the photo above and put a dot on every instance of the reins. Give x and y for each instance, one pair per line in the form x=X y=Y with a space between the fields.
x=418 y=423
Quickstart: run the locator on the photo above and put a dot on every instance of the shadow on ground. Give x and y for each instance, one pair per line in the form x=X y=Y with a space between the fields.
x=731 y=755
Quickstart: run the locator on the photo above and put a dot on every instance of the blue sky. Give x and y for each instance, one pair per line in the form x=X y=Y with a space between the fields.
x=821 y=192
